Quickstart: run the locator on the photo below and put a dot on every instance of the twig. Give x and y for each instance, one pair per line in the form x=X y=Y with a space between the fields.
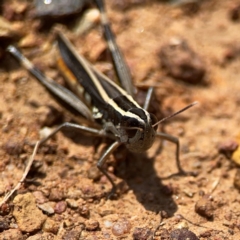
x=30 y=161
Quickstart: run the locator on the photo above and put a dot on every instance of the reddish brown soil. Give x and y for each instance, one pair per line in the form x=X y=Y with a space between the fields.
x=60 y=175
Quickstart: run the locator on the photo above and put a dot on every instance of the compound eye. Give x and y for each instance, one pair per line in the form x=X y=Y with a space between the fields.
x=154 y=120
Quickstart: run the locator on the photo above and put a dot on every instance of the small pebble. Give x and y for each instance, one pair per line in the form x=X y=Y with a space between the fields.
x=55 y=195
x=60 y=207
x=72 y=203
x=74 y=193
x=5 y=209
x=142 y=233
x=181 y=62
x=91 y=225
x=74 y=234
x=13 y=147
x=121 y=227
x=231 y=53
x=228 y=216
x=204 y=207
x=94 y=173
x=4 y=225
x=207 y=234
x=182 y=225
x=183 y=234
x=227 y=147
x=84 y=211
x=234 y=12
x=46 y=207
x=50 y=226
x=40 y=198
x=108 y=224
x=104 y=211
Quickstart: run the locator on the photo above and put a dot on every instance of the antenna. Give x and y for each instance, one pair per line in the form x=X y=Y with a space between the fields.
x=176 y=113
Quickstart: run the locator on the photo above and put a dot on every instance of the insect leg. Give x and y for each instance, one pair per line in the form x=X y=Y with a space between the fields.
x=120 y=65
x=101 y=162
x=59 y=92
x=148 y=98
x=93 y=131
x=174 y=140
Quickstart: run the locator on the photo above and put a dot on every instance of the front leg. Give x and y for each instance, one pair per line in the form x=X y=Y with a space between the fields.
x=175 y=140
x=96 y=132
x=101 y=162
x=109 y=127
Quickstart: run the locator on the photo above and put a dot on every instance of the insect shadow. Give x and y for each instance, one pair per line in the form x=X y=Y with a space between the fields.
x=140 y=175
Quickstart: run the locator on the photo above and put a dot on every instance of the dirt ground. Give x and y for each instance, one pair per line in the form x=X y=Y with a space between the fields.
x=64 y=195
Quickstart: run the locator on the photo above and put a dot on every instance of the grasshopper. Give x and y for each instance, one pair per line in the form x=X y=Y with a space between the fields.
x=122 y=119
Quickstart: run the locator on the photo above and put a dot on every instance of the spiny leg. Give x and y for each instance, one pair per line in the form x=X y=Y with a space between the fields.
x=169 y=137
x=101 y=162
x=120 y=65
x=56 y=90
x=93 y=131
x=175 y=140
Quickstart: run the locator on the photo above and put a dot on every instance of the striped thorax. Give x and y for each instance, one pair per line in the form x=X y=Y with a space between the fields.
x=121 y=115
